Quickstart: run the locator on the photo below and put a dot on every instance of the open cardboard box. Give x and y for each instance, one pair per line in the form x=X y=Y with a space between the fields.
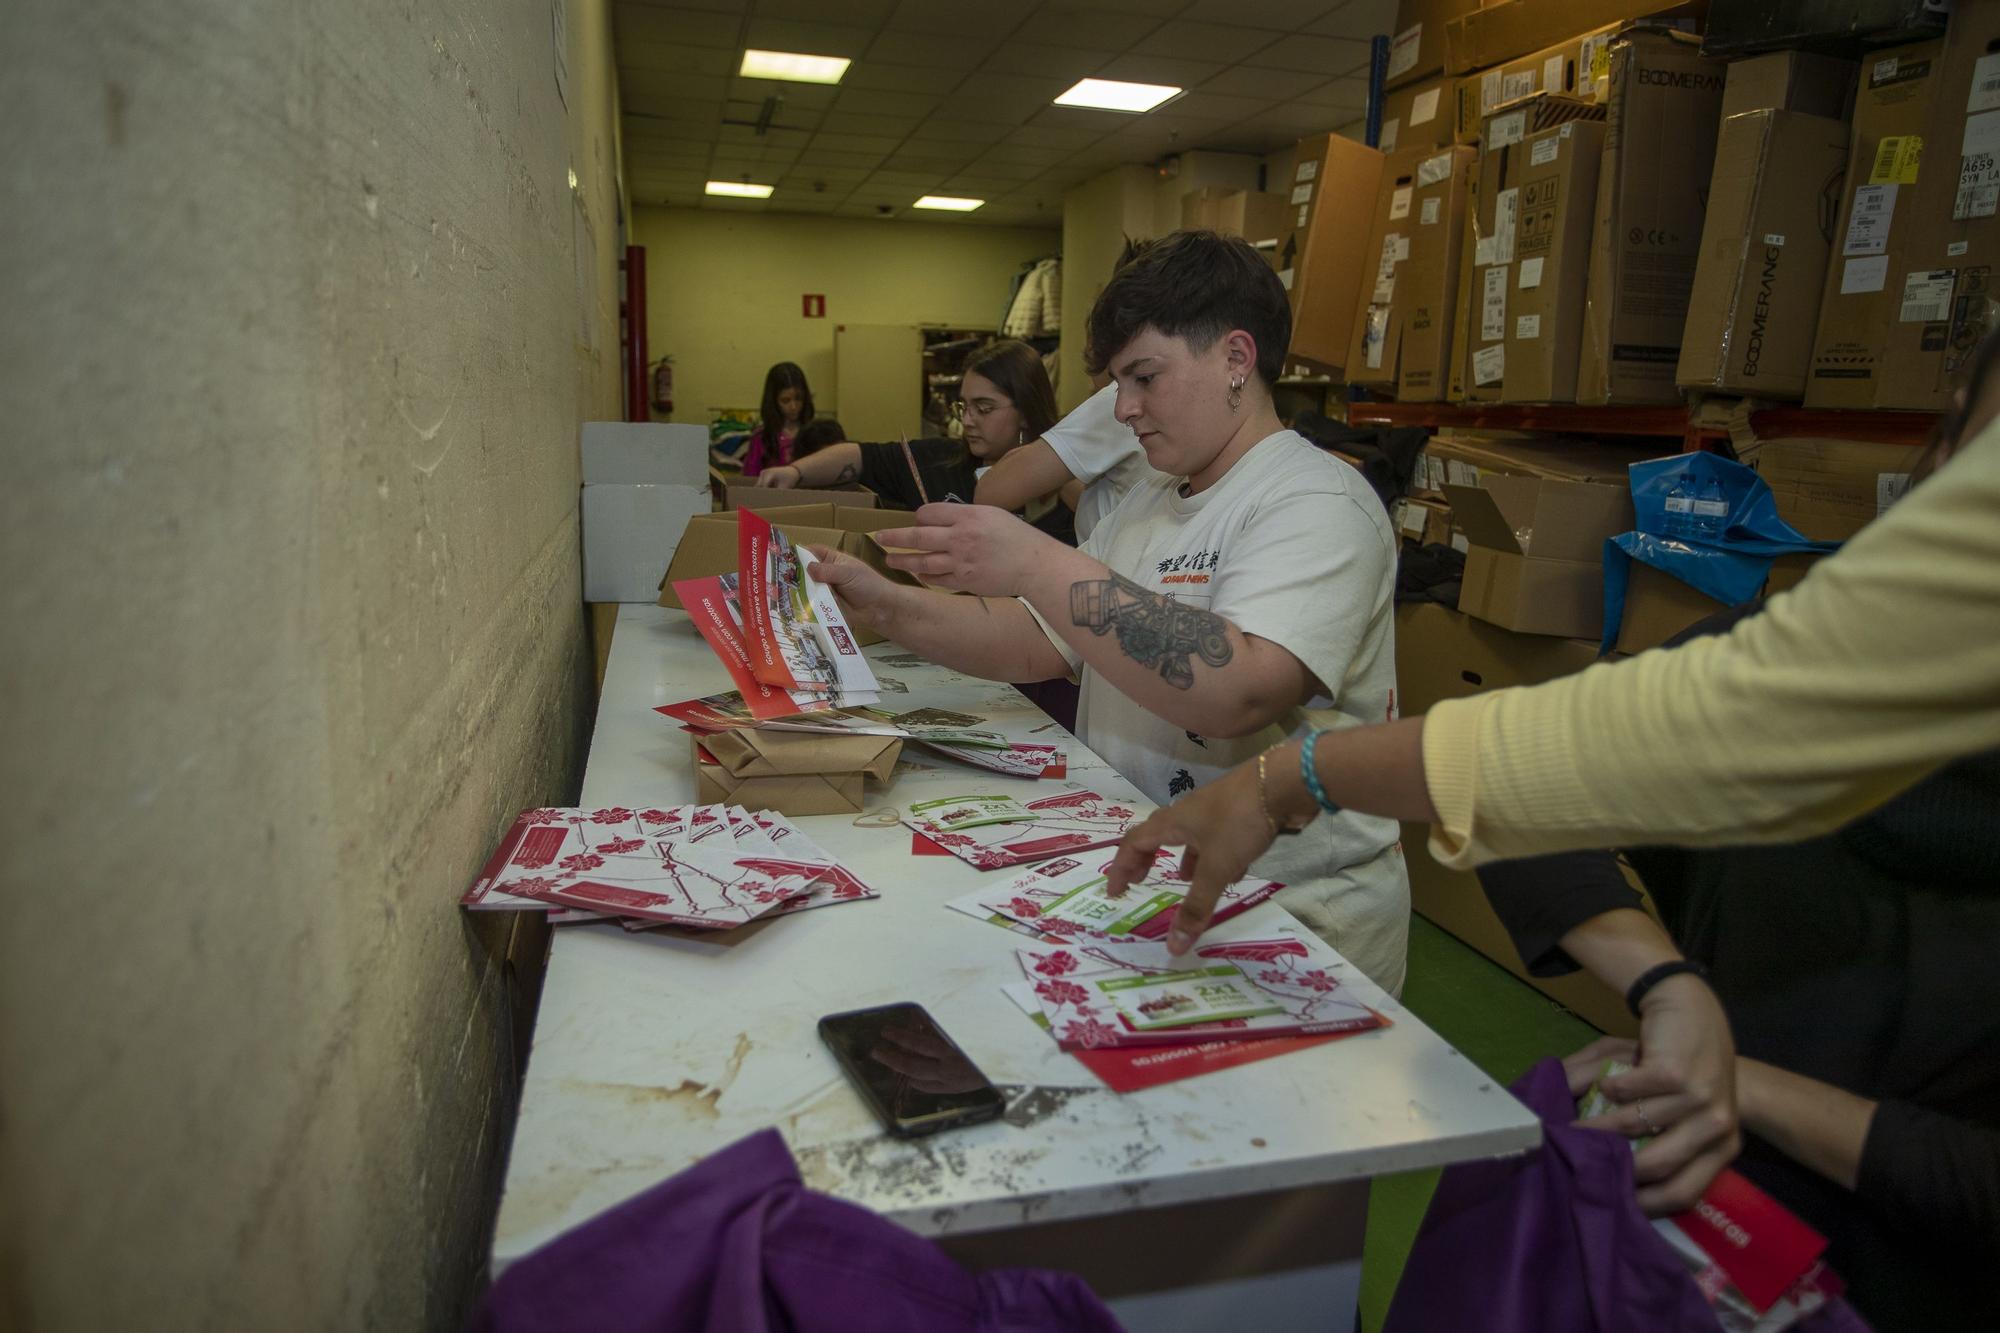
x=749 y=495
x=1536 y=563
x=709 y=545
x=792 y=772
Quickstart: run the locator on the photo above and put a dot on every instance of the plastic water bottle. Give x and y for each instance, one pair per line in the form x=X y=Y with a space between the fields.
x=1711 y=512
x=1680 y=510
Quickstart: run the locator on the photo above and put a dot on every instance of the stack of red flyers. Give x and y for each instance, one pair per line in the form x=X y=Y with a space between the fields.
x=708 y=867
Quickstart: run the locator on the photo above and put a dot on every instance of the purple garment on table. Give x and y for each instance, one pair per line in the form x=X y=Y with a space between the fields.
x=1554 y=1242
x=736 y=1244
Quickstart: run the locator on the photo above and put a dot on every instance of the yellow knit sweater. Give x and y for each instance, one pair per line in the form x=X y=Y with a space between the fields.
x=1882 y=664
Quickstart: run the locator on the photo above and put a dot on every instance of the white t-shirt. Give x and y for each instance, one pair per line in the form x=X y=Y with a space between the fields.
x=1101 y=451
x=1293 y=546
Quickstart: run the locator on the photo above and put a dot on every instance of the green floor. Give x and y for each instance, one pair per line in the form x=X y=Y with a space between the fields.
x=1504 y=1026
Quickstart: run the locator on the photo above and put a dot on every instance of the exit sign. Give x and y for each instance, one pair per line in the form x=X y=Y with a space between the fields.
x=815 y=306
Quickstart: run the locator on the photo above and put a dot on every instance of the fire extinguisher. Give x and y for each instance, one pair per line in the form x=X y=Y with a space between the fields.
x=663 y=385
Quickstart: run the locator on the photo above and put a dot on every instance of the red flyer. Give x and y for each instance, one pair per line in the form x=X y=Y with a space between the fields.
x=714 y=611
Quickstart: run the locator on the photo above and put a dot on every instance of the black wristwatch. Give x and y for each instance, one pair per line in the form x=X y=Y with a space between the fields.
x=1654 y=975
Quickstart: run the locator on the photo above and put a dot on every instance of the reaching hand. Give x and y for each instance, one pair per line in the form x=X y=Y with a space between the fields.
x=864 y=595
x=782 y=477
x=1223 y=828
x=973 y=548
x=1680 y=1093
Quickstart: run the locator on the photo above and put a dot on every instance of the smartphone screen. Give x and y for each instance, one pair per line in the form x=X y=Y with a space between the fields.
x=914 y=1077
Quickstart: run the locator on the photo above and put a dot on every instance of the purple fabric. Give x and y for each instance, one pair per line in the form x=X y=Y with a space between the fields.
x=736 y=1244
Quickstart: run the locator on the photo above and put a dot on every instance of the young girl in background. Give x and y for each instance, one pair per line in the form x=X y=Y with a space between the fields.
x=788 y=405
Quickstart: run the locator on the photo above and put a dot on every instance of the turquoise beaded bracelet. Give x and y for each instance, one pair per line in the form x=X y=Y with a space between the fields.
x=1310 y=774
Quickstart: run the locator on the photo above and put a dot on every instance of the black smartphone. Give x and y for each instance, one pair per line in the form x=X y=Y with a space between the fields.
x=912 y=1076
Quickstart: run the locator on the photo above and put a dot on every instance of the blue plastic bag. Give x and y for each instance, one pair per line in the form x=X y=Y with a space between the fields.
x=1726 y=555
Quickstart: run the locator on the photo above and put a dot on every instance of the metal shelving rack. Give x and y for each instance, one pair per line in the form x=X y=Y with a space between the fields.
x=1884 y=427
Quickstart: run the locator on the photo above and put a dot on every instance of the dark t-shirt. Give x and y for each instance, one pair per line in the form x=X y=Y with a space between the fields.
x=949 y=474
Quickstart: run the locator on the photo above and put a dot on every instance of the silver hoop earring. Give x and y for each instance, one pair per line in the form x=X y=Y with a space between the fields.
x=1235 y=393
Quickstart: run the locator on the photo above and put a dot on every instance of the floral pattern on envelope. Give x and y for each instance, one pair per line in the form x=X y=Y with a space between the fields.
x=1065 y=899
x=1073 y=821
x=1109 y=993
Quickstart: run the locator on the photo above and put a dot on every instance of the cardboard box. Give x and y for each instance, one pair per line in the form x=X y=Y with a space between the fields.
x=1506 y=30
x=1460 y=353
x=1658 y=606
x=1738 y=27
x=643 y=453
x=1892 y=104
x=1419 y=116
x=1495 y=221
x=1831 y=489
x=1663 y=112
x=1790 y=81
x=629 y=535
x=792 y=772
x=1257 y=217
x=1578 y=65
x=1402 y=332
x=1443 y=654
x=1544 y=325
x=740 y=496
x=1468 y=459
x=708 y=546
x=1536 y=562
x=1321 y=259
x=1417 y=44
x=1764 y=248
x=1944 y=258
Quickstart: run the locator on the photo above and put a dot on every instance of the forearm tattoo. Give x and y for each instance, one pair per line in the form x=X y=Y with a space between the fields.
x=1153 y=629
x=847 y=473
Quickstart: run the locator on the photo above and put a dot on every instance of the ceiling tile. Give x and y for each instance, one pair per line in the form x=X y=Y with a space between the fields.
x=876 y=102
x=976 y=21
x=1140 y=10
x=1161 y=69
x=1005 y=98
x=819 y=39
x=926 y=159
x=903 y=180
x=902 y=78
x=794 y=96
x=860 y=13
x=1065 y=64
x=978 y=187
x=676 y=27
x=1254 y=81
x=1316 y=55
x=1350 y=93
x=1040 y=158
x=1076 y=119
x=805 y=173
x=1277 y=15
x=1201 y=41
x=1087 y=25
x=837 y=157
x=708 y=87
x=747 y=136
x=670 y=58
x=923 y=48
x=1358 y=18
x=855 y=143
x=710 y=6
x=960 y=131
x=670 y=110
x=1050 y=136
x=1001 y=170
x=894 y=128
x=1202 y=105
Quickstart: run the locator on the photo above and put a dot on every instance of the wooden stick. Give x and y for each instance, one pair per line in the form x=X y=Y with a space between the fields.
x=910 y=456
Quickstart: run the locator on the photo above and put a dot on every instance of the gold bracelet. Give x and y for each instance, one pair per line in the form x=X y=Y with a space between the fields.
x=1264 y=795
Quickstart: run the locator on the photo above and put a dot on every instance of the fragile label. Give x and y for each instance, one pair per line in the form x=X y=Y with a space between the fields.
x=1307 y=170
x=1544 y=151
x=1517 y=85
x=1772 y=238
x=1527 y=326
x=1864 y=275
x=1403 y=50
x=1399 y=203
x=1507 y=129
x=1489 y=364
x=1435 y=168
x=1424 y=106
x=1985 y=94
x=1552 y=74
x=1896 y=160
x=1493 y=304
x=1428 y=215
x=1927 y=296
x=1868 y=225
x=1531 y=272
x=1302 y=194
x=1506 y=210
x=1489 y=91
x=1390 y=130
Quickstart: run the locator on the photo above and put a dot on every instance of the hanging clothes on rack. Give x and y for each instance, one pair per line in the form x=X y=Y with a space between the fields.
x=1037 y=308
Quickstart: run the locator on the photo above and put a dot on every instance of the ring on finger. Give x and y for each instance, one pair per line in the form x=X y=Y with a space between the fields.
x=1645 y=1119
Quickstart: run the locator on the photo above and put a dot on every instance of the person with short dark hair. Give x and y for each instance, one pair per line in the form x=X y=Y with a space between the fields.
x=1243 y=589
x=816 y=435
x=787 y=406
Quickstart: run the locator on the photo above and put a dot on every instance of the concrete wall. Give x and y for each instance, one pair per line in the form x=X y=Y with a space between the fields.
x=723 y=289
x=302 y=313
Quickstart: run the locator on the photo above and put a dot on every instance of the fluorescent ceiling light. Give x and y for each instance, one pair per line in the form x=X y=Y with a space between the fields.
x=739 y=189
x=792 y=66
x=1112 y=95
x=948 y=203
